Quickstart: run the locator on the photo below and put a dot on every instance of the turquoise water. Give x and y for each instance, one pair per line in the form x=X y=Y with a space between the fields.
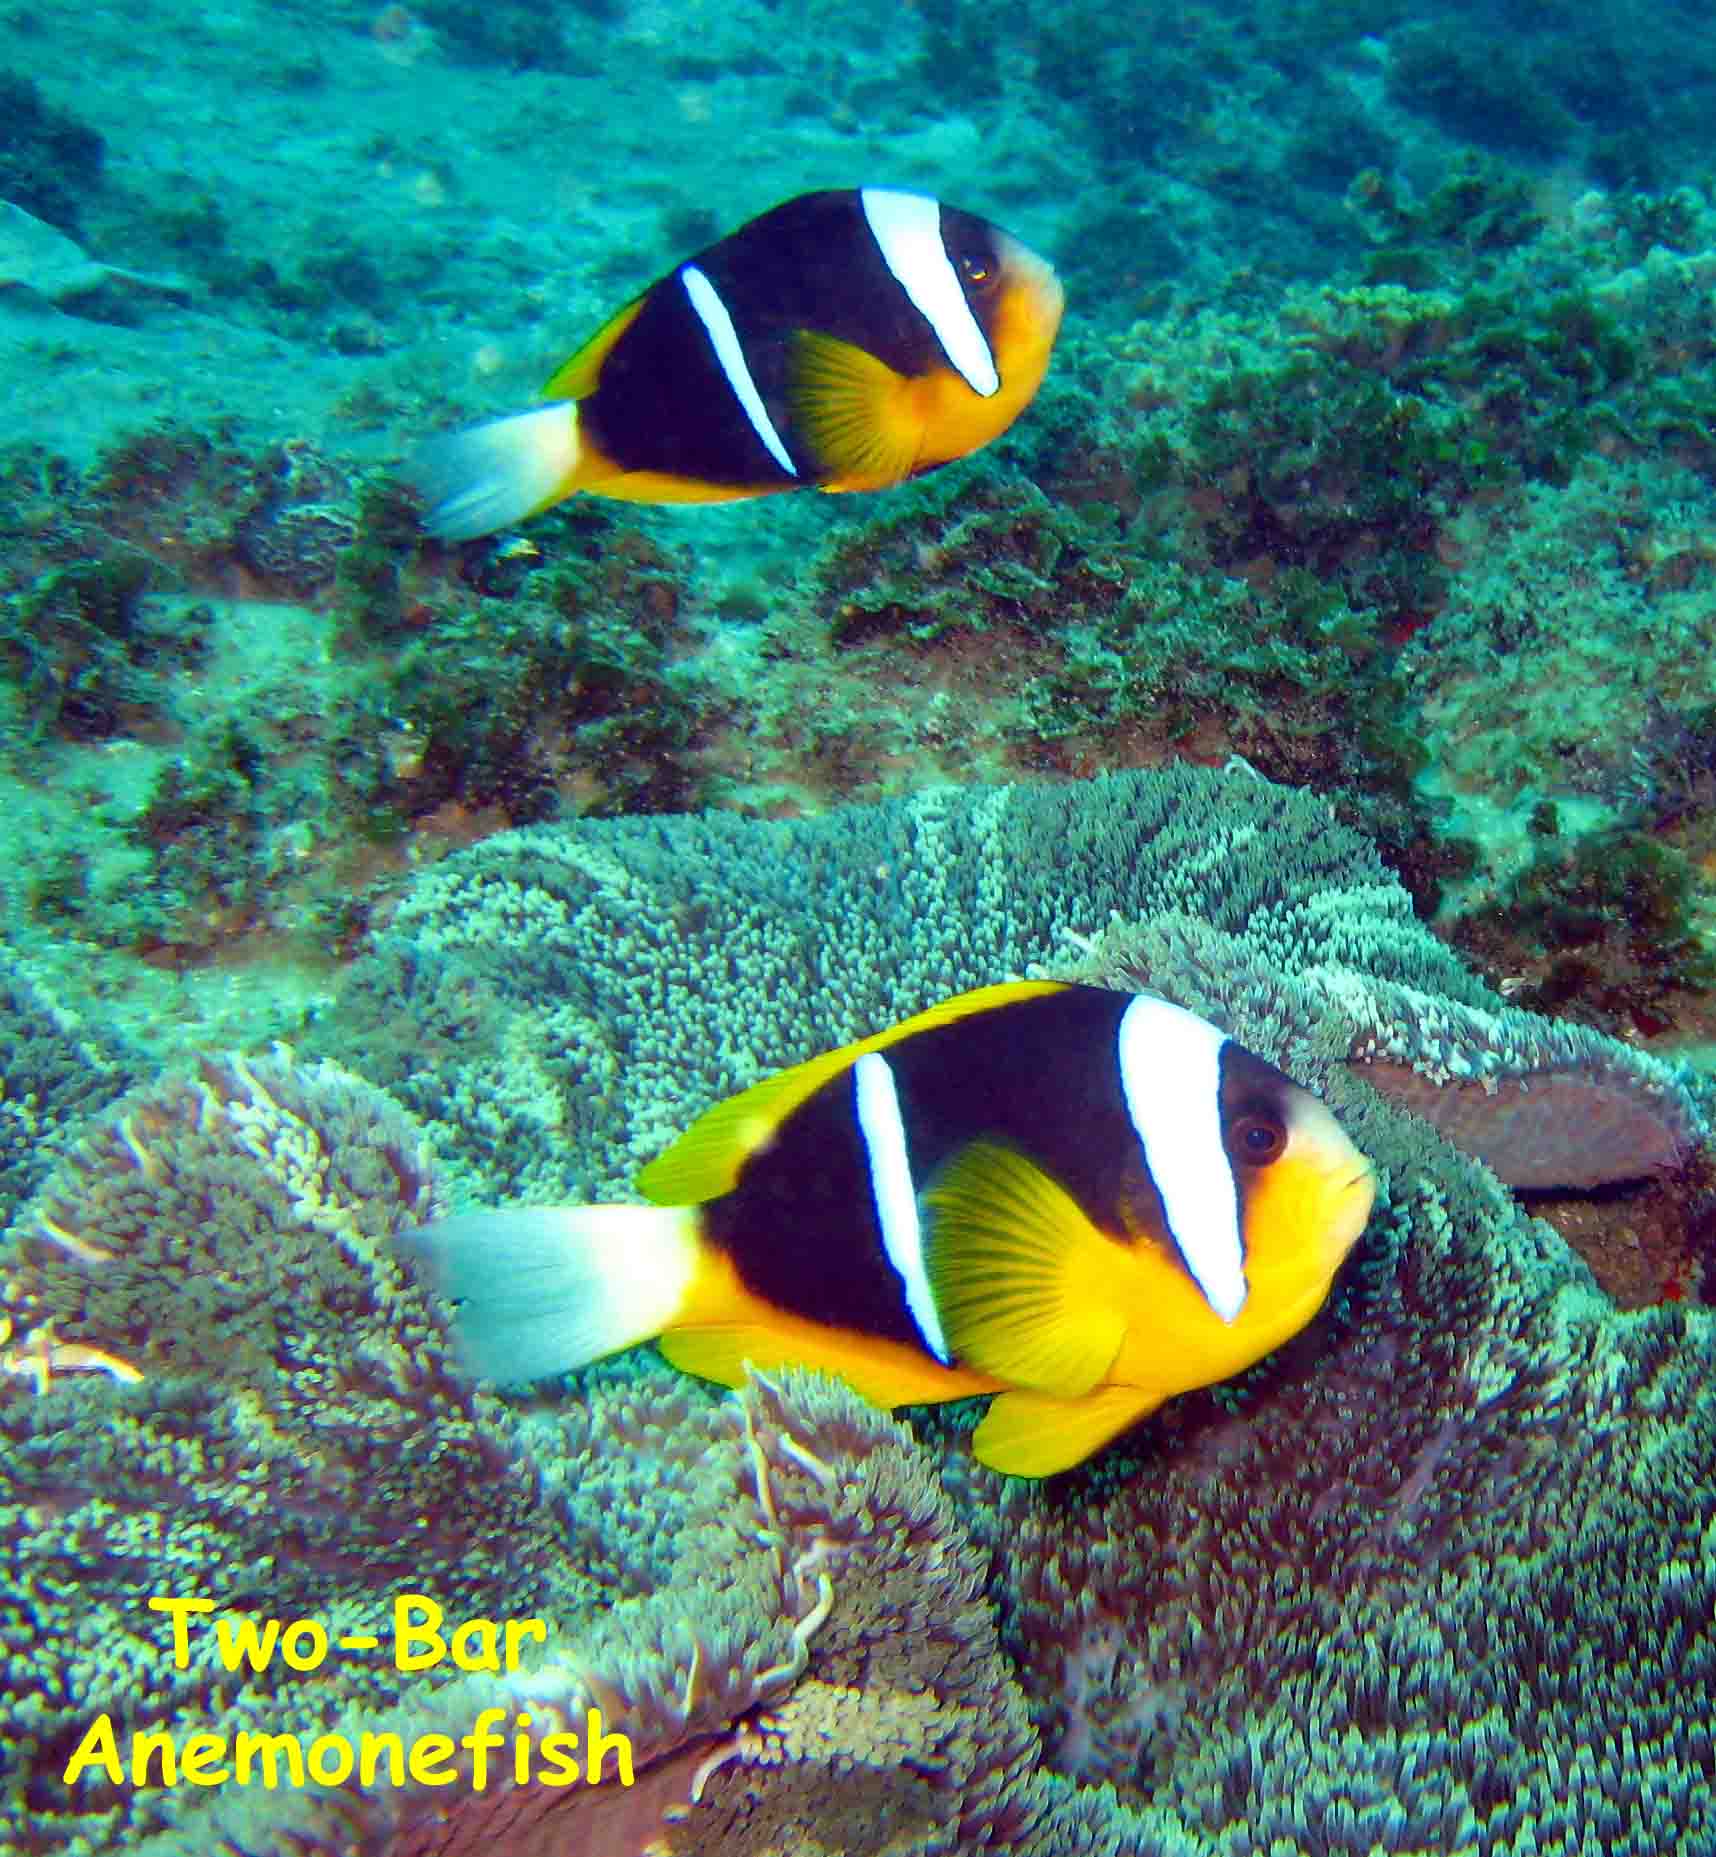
x=1371 y=480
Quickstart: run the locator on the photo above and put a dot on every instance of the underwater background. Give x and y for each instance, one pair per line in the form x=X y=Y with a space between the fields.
x=1331 y=646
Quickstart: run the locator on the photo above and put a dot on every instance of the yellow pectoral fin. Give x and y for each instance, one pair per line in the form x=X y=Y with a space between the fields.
x=863 y=421
x=576 y=377
x=706 y=1160
x=1032 y=1435
x=1026 y=1287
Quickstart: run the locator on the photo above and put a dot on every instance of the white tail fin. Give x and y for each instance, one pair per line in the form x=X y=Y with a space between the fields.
x=543 y=1289
x=489 y=476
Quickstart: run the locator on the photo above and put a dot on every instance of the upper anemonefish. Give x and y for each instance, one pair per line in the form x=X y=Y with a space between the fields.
x=1082 y=1201
x=844 y=340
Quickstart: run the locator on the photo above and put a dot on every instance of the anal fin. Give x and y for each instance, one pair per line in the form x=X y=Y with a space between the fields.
x=721 y=1352
x=886 y=1373
x=1027 y=1434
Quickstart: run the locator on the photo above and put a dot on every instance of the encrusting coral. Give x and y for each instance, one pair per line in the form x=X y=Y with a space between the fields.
x=1436 y=1576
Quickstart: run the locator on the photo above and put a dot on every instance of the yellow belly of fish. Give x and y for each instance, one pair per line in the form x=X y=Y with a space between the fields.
x=723 y=1328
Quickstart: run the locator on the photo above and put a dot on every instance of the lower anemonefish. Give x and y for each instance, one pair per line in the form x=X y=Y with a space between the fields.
x=1079 y=1200
x=843 y=341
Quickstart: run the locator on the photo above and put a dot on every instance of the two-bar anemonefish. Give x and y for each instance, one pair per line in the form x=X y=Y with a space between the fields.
x=1079 y=1200
x=842 y=341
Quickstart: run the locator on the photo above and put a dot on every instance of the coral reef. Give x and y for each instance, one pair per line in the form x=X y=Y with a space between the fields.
x=1379 y=452
x=545 y=973
x=367 y=699
x=840 y=1670
x=1544 y=81
x=1606 y=930
x=286 y=1433
x=1348 y=537
x=1364 y=1600
x=58 y=1069
x=1475 y=91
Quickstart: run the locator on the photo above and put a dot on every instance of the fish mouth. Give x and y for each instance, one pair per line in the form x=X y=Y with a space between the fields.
x=1038 y=277
x=1354 y=1200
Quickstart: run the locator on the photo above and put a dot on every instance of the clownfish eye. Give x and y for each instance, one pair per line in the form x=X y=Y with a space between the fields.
x=978 y=271
x=1259 y=1138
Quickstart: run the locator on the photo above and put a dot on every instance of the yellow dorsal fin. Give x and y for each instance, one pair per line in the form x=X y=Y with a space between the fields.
x=1026 y=1287
x=859 y=417
x=705 y=1161
x=575 y=378
x=1033 y=1435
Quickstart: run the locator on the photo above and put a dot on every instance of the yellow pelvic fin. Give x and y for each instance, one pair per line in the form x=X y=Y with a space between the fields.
x=1026 y=1287
x=863 y=421
x=706 y=1160
x=1032 y=1435
x=576 y=377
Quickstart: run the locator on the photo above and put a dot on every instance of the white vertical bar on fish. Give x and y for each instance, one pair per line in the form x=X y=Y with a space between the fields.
x=884 y=1132
x=907 y=228
x=1170 y=1073
x=724 y=339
